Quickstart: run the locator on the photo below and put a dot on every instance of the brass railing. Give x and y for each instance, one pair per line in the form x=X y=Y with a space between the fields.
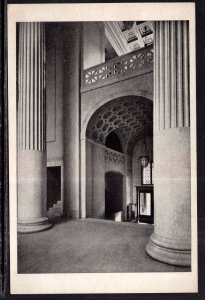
x=119 y=67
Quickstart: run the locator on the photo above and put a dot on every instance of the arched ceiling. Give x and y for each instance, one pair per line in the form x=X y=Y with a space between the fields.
x=126 y=116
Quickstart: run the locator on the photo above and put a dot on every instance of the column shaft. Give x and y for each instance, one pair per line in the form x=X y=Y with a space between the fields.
x=173 y=75
x=171 y=240
x=71 y=121
x=127 y=186
x=31 y=129
x=171 y=83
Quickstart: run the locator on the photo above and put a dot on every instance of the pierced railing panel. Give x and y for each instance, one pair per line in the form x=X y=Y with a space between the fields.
x=114 y=156
x=121 y=66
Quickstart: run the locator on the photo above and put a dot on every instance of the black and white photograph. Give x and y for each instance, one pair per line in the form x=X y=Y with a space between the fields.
x=103 y=147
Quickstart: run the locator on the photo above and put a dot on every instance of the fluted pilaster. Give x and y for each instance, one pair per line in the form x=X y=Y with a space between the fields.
x=31 y=129
x=171 y=240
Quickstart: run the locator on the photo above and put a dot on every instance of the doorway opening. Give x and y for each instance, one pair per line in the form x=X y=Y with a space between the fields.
x=145 y=204
x=53 y=186
x=113 y=196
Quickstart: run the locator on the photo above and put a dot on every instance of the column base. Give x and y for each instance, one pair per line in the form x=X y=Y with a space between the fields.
x=173 y=256
x=33 y=225
x=72 y=214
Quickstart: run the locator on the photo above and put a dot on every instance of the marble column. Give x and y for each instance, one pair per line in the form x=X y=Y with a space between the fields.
x=171 y=240
x=32 y=198
x=71 y=120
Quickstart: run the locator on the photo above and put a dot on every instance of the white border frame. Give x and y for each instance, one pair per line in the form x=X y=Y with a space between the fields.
x=98 y=282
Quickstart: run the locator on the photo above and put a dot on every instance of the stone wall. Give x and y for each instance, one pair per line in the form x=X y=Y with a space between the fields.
x=54 y=93
x=99 y=161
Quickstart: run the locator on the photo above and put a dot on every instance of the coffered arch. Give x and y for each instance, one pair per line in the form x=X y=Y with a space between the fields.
x=140 y=86
x=127 y=116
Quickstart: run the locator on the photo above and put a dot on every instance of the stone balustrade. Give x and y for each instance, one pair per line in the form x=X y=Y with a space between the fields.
x=123 y=67
x=114 y=156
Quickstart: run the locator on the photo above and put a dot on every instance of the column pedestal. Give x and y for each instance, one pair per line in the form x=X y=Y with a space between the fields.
x=171 y=240
x=32 y=198
x=163 y=250
x=35 y=225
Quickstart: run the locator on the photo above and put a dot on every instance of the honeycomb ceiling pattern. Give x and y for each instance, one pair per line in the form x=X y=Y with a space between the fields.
x=127 y=116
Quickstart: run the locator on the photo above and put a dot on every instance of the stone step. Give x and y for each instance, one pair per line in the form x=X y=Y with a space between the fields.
x=57 y=205
x=55 y=210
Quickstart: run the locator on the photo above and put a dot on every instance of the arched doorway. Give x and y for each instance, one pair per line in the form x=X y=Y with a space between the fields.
x=113 y=194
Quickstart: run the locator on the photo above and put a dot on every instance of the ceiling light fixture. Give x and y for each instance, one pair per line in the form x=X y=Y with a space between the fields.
x=144 y=158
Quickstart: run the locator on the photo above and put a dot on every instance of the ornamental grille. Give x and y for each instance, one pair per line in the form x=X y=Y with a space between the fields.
x=118 y=67
x=114 y=156
x=147 y=174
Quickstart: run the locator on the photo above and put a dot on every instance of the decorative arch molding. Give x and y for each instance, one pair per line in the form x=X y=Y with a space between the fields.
x=114 y=171
x=111 y=97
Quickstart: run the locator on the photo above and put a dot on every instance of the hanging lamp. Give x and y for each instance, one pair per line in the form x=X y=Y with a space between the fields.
x=144 y=158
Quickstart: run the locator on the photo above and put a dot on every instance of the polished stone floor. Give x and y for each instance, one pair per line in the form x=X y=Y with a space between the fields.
x=89 y=246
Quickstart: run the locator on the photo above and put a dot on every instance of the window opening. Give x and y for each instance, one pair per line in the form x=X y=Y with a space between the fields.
x=146 y=174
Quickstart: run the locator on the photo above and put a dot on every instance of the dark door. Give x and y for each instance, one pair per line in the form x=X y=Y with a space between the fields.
x=113 y=194
x=145 y=204
x=53 y=185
